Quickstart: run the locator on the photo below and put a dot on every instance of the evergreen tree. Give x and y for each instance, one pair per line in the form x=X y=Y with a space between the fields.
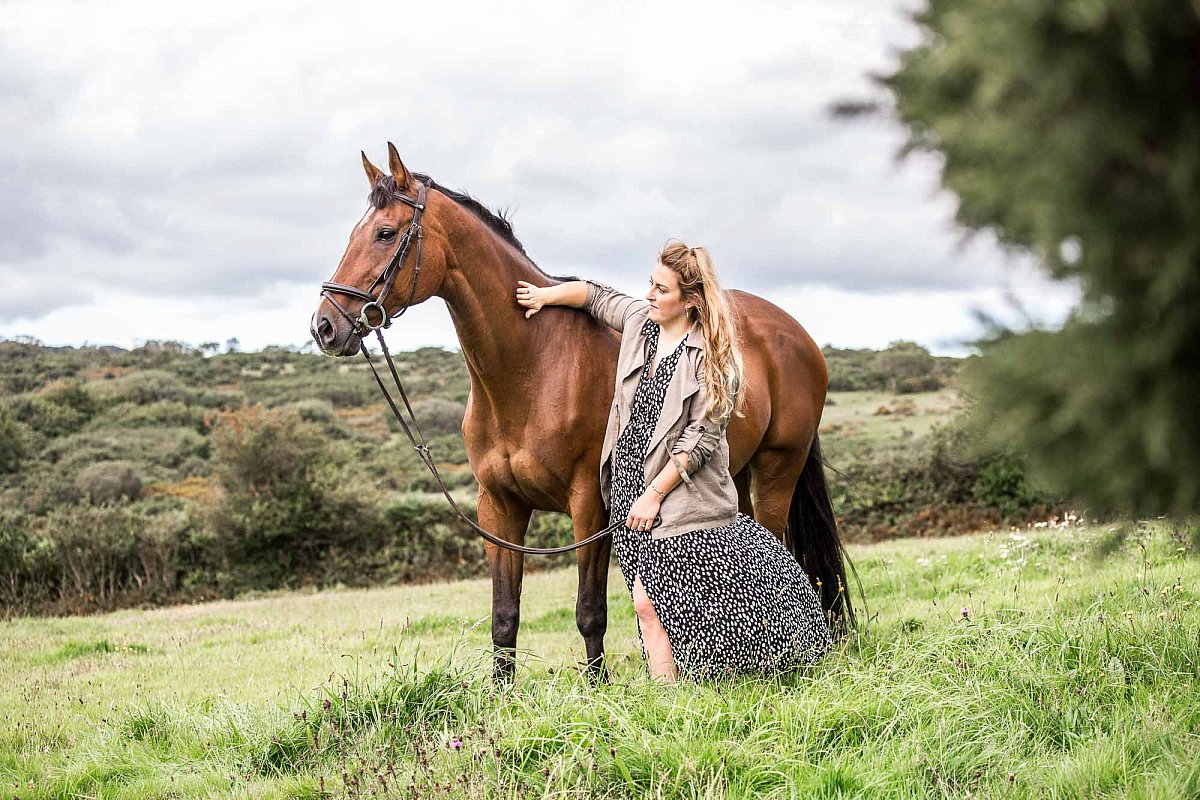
x=1072 y=128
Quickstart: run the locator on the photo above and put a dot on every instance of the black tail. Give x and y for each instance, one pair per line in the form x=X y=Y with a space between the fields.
x=812 y=537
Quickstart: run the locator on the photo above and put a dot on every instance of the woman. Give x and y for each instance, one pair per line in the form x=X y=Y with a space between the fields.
x=714 y=591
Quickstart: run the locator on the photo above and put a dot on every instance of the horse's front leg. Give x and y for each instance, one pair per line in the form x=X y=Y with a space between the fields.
x=508 y=519
x=591 y=604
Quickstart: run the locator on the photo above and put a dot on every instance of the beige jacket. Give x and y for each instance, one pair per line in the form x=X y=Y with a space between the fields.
x=707 y=496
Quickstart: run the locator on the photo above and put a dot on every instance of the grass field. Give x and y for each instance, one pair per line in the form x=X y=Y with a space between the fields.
x=876 y=422
x=1041 y=663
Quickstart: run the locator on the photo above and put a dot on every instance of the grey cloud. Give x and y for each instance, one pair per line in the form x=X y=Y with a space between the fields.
x=28 y=295
x=601 y=158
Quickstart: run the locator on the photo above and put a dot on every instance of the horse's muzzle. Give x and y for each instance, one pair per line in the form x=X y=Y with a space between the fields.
x=333 y=335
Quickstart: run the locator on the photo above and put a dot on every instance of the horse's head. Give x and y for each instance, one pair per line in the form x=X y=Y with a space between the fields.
x=389 y=264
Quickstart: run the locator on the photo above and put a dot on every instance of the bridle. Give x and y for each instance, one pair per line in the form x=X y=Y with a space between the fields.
x=386 y=279
x=373 y=304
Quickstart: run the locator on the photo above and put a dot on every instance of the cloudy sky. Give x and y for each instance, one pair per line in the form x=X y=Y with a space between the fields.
x=191 y=171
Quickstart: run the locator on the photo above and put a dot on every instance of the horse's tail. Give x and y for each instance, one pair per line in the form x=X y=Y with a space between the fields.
x=812 y=537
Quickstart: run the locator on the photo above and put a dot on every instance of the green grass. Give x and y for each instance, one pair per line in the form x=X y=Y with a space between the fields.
x=852 y=423
x=1072 y=674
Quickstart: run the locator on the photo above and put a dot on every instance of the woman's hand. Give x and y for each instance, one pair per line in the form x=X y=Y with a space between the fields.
x=643 y=512
x=531 y=297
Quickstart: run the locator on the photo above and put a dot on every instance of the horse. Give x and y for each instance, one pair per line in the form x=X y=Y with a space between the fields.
x=541 y=390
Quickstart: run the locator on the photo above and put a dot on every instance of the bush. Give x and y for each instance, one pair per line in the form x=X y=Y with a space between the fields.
x=284 y=505
x=27 y=574
x=321 y=414
x=314 y=410
x=102 y=553
x=952 y=484
x=164 y=448
x=109 y=481
x=257 y=450
x=159 y=414
x=439 y=416
x=145 y=387
x=14 y=445
x=904 y=367
x=58 y=409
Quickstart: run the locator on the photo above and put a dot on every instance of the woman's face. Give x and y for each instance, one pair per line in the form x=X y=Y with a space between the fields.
x=666 y=300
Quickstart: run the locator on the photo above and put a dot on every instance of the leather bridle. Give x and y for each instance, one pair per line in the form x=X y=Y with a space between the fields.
x=373 y=301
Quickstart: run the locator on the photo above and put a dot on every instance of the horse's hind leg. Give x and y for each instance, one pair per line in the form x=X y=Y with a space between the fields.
x=775 y=474
x=591 y=605
x=508 y=520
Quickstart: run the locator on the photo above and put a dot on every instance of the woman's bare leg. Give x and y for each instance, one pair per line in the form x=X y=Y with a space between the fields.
x=654 y=635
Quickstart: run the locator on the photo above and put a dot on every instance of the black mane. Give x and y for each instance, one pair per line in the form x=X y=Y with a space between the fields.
x=385 y=192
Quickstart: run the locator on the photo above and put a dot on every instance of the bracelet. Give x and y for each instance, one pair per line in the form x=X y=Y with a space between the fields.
x=658 y=491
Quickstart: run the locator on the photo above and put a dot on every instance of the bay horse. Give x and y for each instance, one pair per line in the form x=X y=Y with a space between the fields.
x=541 y=390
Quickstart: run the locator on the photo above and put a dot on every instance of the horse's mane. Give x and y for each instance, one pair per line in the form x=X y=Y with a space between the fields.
x=385 y=192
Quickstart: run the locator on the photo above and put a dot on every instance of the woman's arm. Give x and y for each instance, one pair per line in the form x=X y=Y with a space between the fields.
x=645 y=509
x=534 y=298
x=605 y=303
x=700 y=437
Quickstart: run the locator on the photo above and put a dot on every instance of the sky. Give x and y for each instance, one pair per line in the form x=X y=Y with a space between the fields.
x=192 y=171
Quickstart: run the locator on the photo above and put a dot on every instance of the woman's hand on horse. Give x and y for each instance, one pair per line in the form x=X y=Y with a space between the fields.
x=643 y=512
x=531 y=297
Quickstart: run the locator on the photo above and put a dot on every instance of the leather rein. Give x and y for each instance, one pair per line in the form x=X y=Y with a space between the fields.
x=373 y=299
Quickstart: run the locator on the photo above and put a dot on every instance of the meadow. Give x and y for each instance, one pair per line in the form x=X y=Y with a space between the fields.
x=1056 y=661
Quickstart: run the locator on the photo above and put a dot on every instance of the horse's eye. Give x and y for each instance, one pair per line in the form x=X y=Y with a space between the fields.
x=385 y=235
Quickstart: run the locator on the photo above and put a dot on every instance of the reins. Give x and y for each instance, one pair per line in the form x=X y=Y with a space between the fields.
x=363 y=324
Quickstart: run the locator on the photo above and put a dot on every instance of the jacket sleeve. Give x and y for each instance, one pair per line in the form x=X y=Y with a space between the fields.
x=610 y=306
x=700 y=437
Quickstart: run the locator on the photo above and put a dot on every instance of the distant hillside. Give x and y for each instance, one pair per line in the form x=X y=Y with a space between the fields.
x=170 y=472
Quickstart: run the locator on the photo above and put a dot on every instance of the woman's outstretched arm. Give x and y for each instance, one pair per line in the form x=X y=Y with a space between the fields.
x=603 y=302
x=571 y=293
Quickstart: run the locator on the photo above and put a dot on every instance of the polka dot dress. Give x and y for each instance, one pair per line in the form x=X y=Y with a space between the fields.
x=731 y=598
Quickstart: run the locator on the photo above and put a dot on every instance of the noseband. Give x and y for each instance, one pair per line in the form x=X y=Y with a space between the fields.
x=373 y=304
x=373 y=300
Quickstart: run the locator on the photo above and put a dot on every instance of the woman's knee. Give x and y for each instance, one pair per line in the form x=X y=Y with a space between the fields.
x=642 y=606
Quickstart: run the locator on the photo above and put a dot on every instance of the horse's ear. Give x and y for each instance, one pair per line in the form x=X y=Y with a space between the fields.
x=400 y=173
x=374 y=173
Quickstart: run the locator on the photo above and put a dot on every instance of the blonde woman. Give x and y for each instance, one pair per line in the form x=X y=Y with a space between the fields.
x=714 y=591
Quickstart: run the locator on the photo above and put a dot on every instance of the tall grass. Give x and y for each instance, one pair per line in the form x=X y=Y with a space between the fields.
x=1042 y=663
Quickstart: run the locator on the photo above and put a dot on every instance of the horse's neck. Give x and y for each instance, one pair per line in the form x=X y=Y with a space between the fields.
x=480 y=292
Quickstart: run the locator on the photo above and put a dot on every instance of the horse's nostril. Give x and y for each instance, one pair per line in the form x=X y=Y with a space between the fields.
x=325 y=329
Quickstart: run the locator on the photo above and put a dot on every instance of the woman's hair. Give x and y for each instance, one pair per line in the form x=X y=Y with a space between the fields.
x=722 y=360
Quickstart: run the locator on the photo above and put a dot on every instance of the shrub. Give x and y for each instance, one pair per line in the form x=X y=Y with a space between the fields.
x=284 y=505
x=94 y=550
x=14 y=445
x=951 y=483
x=103 y=552
x=258 y=449
x=58 y=409
x=159 y=414
x=163 y=448
x=439 y=416
x=314 y=410
x=69 y=394
x=27 y=576
x=108 y=481
x=145 y=387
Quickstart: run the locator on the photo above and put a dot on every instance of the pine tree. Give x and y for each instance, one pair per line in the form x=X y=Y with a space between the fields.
x=1071 y=128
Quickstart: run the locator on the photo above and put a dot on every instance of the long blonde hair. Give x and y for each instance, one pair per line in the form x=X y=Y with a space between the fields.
x=722 y=359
